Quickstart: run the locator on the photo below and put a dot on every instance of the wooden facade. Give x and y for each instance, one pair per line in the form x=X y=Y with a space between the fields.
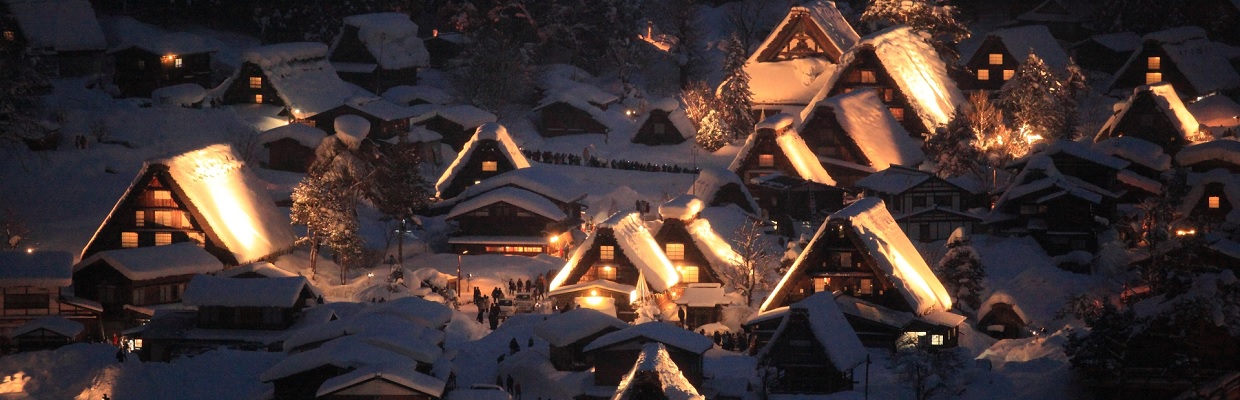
x=350 y=49
x=379 y=388
x=572 y=357
x=731 y=193
x=22 y=304
x=866 y=70
x=680 y=247
x=1152 y=64
x=838 y=261
x=800 y=37
x=251 y=85
x=827 y=138
x=1002 y=322
x=1146 y=118
x=765 y=157
x=305 y=385
x=102 y=282
x=288 y=154
x=443 y=47
x=501 y=220
x=1094 y=55
x=930 y=209
x=138 y=72
x=561 y=119
x=801 y=362
x=454 y=134
x=658 y=129
x=252 y=318
x=992 y=65
x=788 y=200
x=604 y=260
x=485 y=161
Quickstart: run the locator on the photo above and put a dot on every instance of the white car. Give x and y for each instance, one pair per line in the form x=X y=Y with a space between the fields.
x=506 y=307
x=524 y=303
x=479 y=391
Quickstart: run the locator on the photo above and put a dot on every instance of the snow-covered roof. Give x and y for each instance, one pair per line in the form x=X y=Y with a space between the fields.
x=793 y=146
x=569 y=83
x=262 y=268
x=303 y=134
x=1197 y=183
x=565 y=328
x=55 y=323
x=640 y=248
x=1168 y=102
x=718 y=252
x=868 y=123
x=1021 y=40
x=207 y=290
x=397 y=374
x=346 y=352
x=675 y=114
x=39 y=268
x=672 y=383
x=830 y=328
x=703 y=295
x=405 y=94
x=412 y=337
x=662 y=332
x=302 y=77
x=1118 y=42
x=392 y=38
x=522 y=198
x=143 y=263
x=1216 y=111
x=1137 y=151
x=1001 y=297
x=894 y=180
x=381 y=108
x=918 y=71
x=1073 y=148
x=169 y=43
x=62 y=25
x=1040 y=174
x=825 y=16
x=1224 y=150
x=183 y=95
x=463 y=114
x=489 y=131
x=1194 y=55
x=683 y=207
x=604 y=284
x=711 y=179
x=537 y=179
x=796 y=81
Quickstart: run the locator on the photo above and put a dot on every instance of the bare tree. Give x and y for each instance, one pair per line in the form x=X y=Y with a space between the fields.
x=748 y=17
x=14 y=229
x=749 y=271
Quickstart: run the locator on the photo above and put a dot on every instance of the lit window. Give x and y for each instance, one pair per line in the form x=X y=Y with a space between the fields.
x=258 y=99
x=766 y=160
x=10 y=36
x=197 y=237
x=606 y=272
x=1153 y=77
x=177 y=62
x=139 y=218
x=163 y=238
x=887 y=95
x=1214 y=202
x=607 y=252
x=129 y=239
x=168 y=218
x=898 y=113
x=162 y=195
x=1008 y=74
x=1154 y=63
x=867 y=287
x=689 y=274
x=490 y=166
x=983 y=74
x=868 y=77
x=936 y=340
x=996 y=58
x=256 y=82
x=675 y=251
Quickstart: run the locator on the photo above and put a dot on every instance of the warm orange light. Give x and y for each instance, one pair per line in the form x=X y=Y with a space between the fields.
x=554 y=239
x=594 y=293
x=594 y=300
x=1185 y=232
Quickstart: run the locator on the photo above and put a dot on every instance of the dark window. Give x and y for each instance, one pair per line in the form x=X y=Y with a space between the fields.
x=923 y=231
x=919 y=201
x=943 y=200
x=26 y=301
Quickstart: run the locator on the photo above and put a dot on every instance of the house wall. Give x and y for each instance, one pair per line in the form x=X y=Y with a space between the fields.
x=731 y=193
x=17 y=308
x=571 y=357
x=453 y=133
x=1095 y=57
x=1135 y=74
x=289 y=155
x=502 y=219
x=486 y=150
x=377 y=389
x=981 y=62
x=139 y=72
x=838 y=261
x=1146 y=120
x=250 y=318
x=240 y=92
x=778 y=50
x=658 y=130
x=802 y=362
x=674 y=231
x=764 y=144
x=101 y=282
x=937 y=225
x=891 y=95
x=560 y=119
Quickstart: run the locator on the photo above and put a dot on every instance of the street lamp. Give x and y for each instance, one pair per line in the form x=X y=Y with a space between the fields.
x=458 y=271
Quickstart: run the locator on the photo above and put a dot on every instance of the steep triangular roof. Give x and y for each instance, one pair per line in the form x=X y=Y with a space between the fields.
x=487 y=132
x=390 y=37
x=803 y=160
x=829 y=326
x=1041 y=176
x=820 y=19
x=1199 y=59
x=1167 y=102
x=301 y=76
x=865 y=120
x=655 y=372
x=795 y=81
x=1019 y=41
x=639 y=247
x=711 y=179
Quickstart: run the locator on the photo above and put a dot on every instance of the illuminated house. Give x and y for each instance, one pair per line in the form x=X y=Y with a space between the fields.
x=927 y=207
x=664 y=123
x=454 y=123
x=205 y=196
x=1153 y=113
x=488 y=153
x=615 y=353
x=1005 y=50
x=161 y=60
x=854 y=135
x=569 y=332
x=885 y=288
x=1061 y=211
x=1001 y=318
x=697 y=252
x=908 y=73
x=378 y=51
x=517 y=212
x=787 y=200
x=33 y=285
x=655 y=374
x=1183 y=57
x=135 y=279
x=810 y=346
x=718 y=187
x=1211 y=201
x=65 y=34
x=798 y=57
x=776 y=152
x=295 y=76
x=611 y=265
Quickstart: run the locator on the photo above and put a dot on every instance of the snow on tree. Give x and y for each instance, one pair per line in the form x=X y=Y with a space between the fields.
x=934 y=18
x=735 y=99
x=750 y=271
x=929 y=372
x=1101 y=353
x=702 y=108
x=954 y=150
x=1038 y=102
x=713 y=133
x=397 y=189
x=961 y=270
x=325 y=202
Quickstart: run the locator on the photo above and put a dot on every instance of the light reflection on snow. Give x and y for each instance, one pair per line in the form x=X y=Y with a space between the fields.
x=15 y=383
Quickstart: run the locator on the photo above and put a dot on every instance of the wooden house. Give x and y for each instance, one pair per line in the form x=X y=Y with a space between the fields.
x=204 y=196
x=332 y=371
x=812 y=37
x=378 y=51
x=1153 y=113
x=444 y=46
x=664 y=123
x=655 y=376
x=387 y=120
x=141 y=276
x=569 y=332
x=1106 y=52
x=887 y=289
x=1061 y=211
x=813 y=350
x=698 y=253
x=927 y=207
x=1183 y=57
x=701 y=304
x=775 y=147
x=262 y=269
x=1145 y=159
x=455 y=123
x=1003 y=52
x=718 y=187
x=1210 y=201
x=47 y=333
x=291 y=147
x=1077 y=160
x=561 y=114
x=620 y=256
x=392 y=382
x=1211 y=155
x=908 y=73
x=64 y=33
x=1001 y=318
x=788 y=200
x=293 y=76
x=616 y=352
x=162 y=60
x=488 y=153
x=31 y=285
x=854 y=135
x=509 y=220
x=1067 y=20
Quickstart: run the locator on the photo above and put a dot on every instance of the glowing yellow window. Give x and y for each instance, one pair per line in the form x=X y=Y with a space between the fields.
x=675 y=251
x=171 y=218
x=139 y=218
x=936 y=340
x=996 y=58
x=1153 y=77
x=258 y=99
x=606 y=272
x=256 y=82
x=868 y=77
x=129 y=239
x=1008 y=74
x=898 y=113
x=689 y=274
x=162 y=195
x=1154 y=63
x=607 y=252
x=177 y=63
x=1214 y=202
x=766 y=160
x=490 y=166
x=983 y=74
x=163 y=238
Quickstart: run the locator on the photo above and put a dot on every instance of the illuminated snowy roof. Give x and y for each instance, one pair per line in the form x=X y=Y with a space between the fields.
x=62 y=25
x=489 y=131
x=795 y=81
x=392 y=38
x=565 y=328
x=877 y=133
x=683 y=207
x=401 y=375
x=793 y=146
x=301 y=75
x=39 y=268
x=1020 y=40
x=1222 y=150
x=261 y=268
x=143 y=263
x=830 y=328
x=656 y=331
x=711 y=179
x=522 y=198
x=207 y=290
x=654 y=360
x=718 y=252
x=1168 y=103
x=639 y=247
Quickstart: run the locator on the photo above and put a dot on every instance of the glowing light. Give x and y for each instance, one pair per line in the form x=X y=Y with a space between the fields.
x=553 y=239
x=15 y=383
x=29 y=250
x=803 y=160
x=1185 y=232
x=594 y=293
x=594 y=300
x=218 y=171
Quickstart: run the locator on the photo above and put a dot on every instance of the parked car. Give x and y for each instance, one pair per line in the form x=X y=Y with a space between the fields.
x=524 y=303
x=506 y=307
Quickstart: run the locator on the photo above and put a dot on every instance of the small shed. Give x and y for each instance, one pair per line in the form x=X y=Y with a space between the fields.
x=656 y=376
x=291 y=147
x=702 y=304
x=455 y=123
x=378 y=51
x=1001 y=318
x=386 y=381
x=719 y=187
x=664 y=123
x=490 y=152
x=812 y=351
x=47 y=333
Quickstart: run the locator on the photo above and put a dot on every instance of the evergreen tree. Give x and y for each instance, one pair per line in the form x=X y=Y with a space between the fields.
x=928 y=371
x=961 y=270
x=19 y=79
x=712 y=133
x=1102 y=353
x=935 y=18
x=397 y=189
x=735 y=99
x=493 y=72
x=1038 y=102
x=955 y=150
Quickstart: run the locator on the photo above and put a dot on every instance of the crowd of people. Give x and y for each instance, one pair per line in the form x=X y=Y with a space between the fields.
x=591 y=161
